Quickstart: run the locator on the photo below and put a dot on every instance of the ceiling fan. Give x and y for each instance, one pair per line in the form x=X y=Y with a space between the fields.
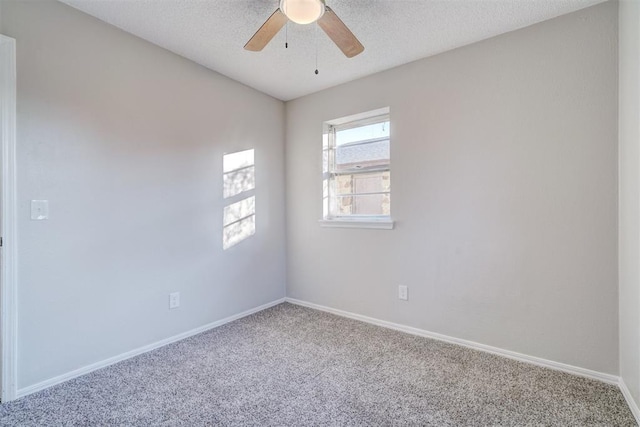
x=306 y=12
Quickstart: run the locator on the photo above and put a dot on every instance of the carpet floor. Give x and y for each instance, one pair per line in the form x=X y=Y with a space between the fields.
x=294 y=366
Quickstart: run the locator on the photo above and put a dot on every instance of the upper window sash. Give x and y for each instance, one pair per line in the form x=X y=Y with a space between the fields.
x=362 y=122
x=364 y=142
x=333 y=150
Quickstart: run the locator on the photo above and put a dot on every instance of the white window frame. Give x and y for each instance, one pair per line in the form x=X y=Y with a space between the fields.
x=329 y=145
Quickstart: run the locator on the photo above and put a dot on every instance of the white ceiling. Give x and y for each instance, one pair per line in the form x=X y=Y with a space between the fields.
x=394 y=32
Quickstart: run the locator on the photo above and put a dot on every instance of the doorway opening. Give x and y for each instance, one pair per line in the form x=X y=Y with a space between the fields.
x=8 y=243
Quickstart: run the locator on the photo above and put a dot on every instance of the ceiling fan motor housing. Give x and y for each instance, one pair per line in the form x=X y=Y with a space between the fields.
x=303 y=11
x=306 y=12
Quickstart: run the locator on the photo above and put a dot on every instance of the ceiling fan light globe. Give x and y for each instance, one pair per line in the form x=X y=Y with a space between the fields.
x=302 y=11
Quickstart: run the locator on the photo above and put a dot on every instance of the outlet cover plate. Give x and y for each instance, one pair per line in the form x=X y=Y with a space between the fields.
x=39 y=210
x=174 y=300
x=403 y=293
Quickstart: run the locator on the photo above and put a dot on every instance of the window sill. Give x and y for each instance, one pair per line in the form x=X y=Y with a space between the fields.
x=381 y=224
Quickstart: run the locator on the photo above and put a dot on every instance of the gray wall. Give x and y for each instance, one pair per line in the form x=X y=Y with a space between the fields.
x=126 y=141
x=504 y=192
x=629 y=240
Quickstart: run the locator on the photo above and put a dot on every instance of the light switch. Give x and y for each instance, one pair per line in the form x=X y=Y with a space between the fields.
x=39 y=210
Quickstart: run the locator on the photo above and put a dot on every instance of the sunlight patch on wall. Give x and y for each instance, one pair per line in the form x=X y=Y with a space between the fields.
x=239 y=218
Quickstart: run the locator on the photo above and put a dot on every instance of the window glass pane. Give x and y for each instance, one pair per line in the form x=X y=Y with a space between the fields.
x=367 y=183
x=361 y=133
x=373 y=182
x=372 y=204
x=343 y=184
x=241 y=159
x=362 y=156
x=239 y=181
x=238 y=231
x=239 y=210
x=325 y=161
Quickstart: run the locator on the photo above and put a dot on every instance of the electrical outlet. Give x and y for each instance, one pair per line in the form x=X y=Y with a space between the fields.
x=403 y=293
x=39 y=210
x=174 y=300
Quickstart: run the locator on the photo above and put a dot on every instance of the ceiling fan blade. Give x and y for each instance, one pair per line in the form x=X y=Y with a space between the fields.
x=269 y=29
x=340 y=34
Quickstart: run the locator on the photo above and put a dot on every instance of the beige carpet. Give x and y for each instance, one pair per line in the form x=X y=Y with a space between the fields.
x=293 y=366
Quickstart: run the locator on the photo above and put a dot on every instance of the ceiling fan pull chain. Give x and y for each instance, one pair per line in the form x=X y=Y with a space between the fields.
x=316 y=37
x=286 y=35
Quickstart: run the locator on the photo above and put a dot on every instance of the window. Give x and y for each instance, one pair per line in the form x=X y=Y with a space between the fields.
x=356 y=170
x=239 y=217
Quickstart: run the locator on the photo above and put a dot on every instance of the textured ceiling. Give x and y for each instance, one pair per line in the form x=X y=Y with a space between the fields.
x=394 y=32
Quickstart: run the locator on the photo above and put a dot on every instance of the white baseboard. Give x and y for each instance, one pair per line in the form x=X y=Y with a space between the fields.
x=633 y=405
x=110 y=361
x=607 y=378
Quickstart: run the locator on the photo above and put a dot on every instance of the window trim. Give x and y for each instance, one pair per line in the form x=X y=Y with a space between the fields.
x=329 y=130
x=384 y=223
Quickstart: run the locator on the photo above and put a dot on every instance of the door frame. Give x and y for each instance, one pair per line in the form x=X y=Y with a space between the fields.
x=8 y=253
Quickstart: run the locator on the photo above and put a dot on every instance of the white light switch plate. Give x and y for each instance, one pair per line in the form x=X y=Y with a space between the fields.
x=39 y=210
